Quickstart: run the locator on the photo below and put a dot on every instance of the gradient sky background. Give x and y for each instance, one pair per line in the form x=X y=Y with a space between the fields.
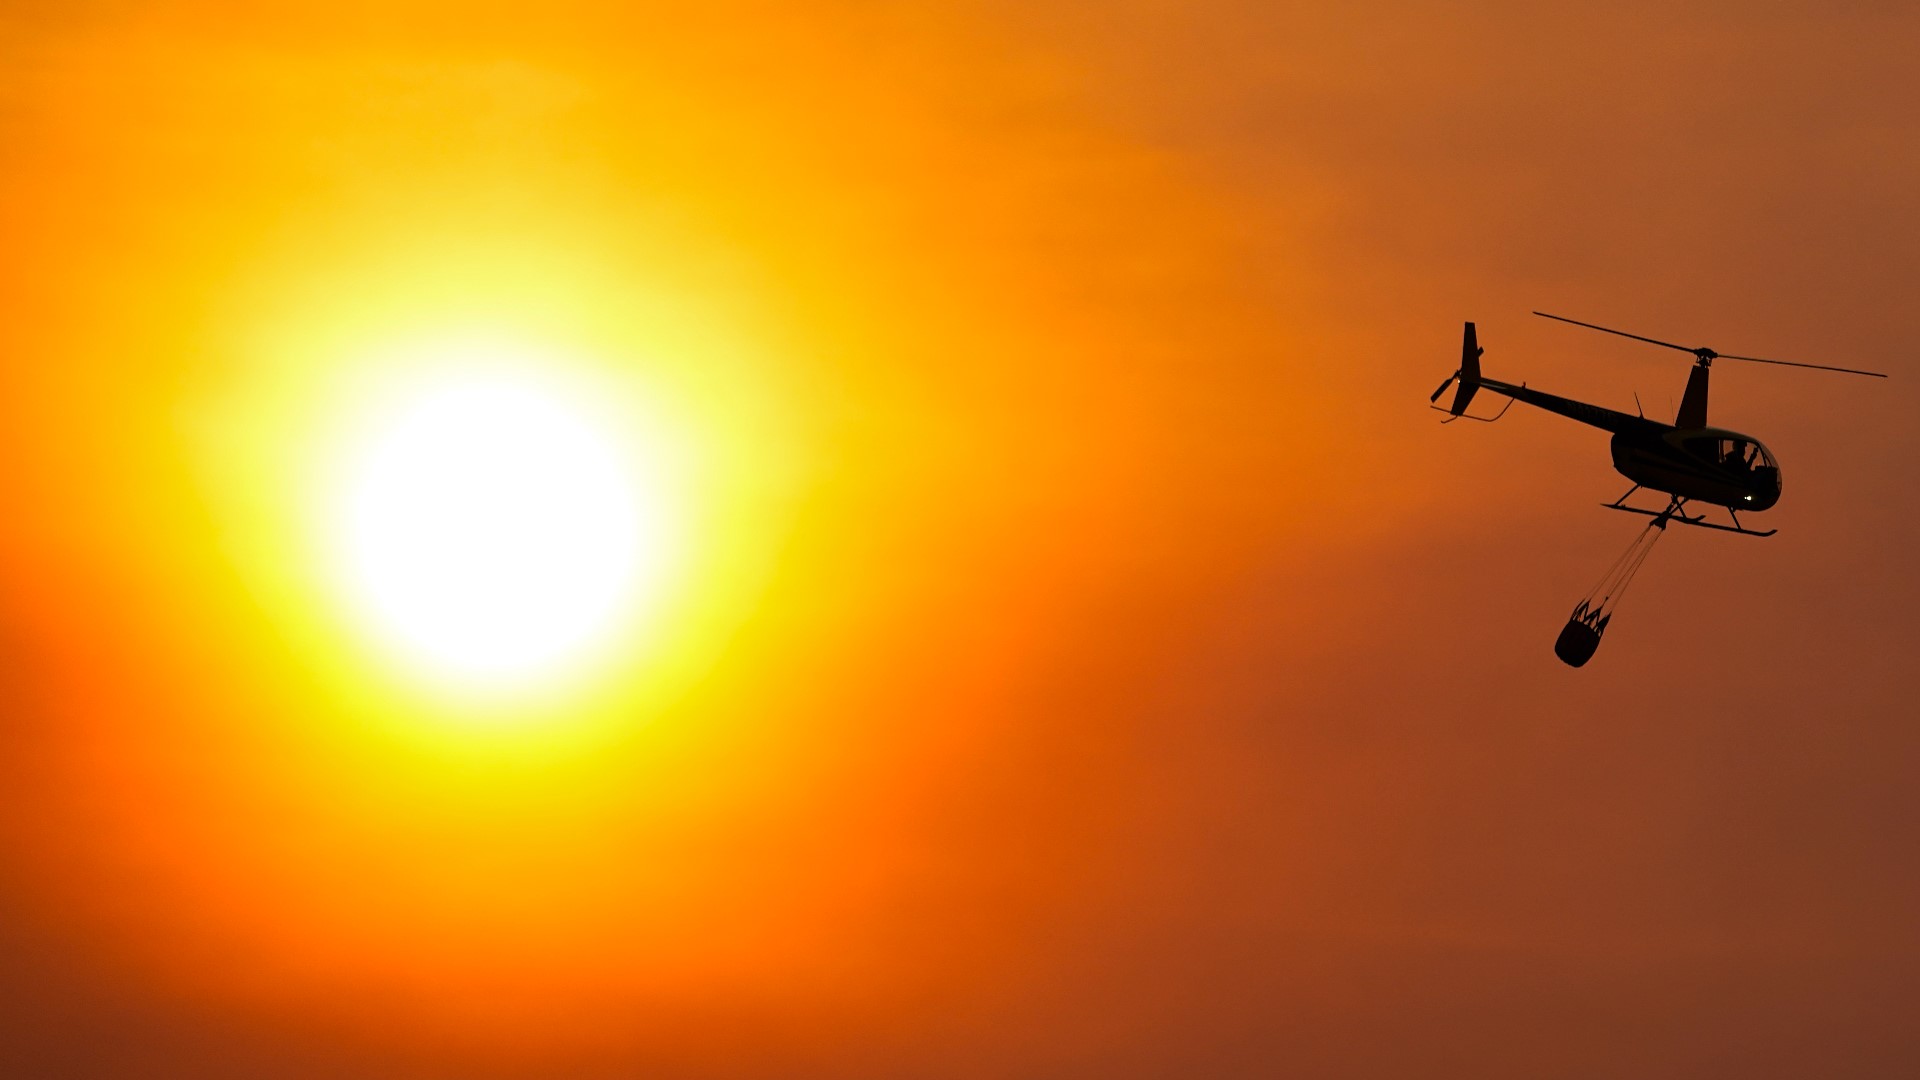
x=1122 y=674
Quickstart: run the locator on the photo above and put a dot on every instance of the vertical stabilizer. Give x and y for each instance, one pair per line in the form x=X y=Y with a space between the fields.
x=1469 y=373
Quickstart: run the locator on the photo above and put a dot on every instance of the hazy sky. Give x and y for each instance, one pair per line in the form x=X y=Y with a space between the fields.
x=1115 y=671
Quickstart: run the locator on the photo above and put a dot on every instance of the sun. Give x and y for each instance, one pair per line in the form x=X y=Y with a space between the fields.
x=494 y=523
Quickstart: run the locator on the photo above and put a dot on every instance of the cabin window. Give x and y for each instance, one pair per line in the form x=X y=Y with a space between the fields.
x=1706 y=449
x=1741 y=454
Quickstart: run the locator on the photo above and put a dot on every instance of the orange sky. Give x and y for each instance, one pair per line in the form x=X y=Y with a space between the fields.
x=1099 y=663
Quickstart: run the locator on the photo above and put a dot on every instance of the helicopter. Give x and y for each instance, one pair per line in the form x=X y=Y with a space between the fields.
x=1687 y=460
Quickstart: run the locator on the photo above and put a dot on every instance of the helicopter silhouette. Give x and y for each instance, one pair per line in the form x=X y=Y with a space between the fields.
x=1687 y=461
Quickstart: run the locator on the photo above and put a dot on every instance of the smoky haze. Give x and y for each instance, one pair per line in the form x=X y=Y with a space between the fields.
x=1148 y=683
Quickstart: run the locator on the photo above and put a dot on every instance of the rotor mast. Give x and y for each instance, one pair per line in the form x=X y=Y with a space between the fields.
x=1693 y=403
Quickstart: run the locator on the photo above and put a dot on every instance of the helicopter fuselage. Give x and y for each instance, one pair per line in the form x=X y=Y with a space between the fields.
x=1711 y=465
x=1707 y=464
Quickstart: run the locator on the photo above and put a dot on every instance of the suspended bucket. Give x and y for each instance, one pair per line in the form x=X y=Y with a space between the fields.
x=1580 y=637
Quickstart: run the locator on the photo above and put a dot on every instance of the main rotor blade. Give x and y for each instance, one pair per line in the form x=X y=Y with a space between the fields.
x=1622 y=333
x=1708 y=354
x=1816 y=367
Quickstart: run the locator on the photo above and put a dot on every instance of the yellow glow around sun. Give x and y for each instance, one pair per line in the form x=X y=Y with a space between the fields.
x=502 y=494
x=492 y=525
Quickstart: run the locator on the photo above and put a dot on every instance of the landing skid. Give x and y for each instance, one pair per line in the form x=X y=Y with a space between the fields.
x=1675 y=512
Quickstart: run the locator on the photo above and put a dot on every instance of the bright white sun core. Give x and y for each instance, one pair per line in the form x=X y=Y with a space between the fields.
x=494 y=526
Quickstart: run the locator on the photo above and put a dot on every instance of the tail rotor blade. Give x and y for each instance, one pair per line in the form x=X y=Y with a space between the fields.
x=1443 y=387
